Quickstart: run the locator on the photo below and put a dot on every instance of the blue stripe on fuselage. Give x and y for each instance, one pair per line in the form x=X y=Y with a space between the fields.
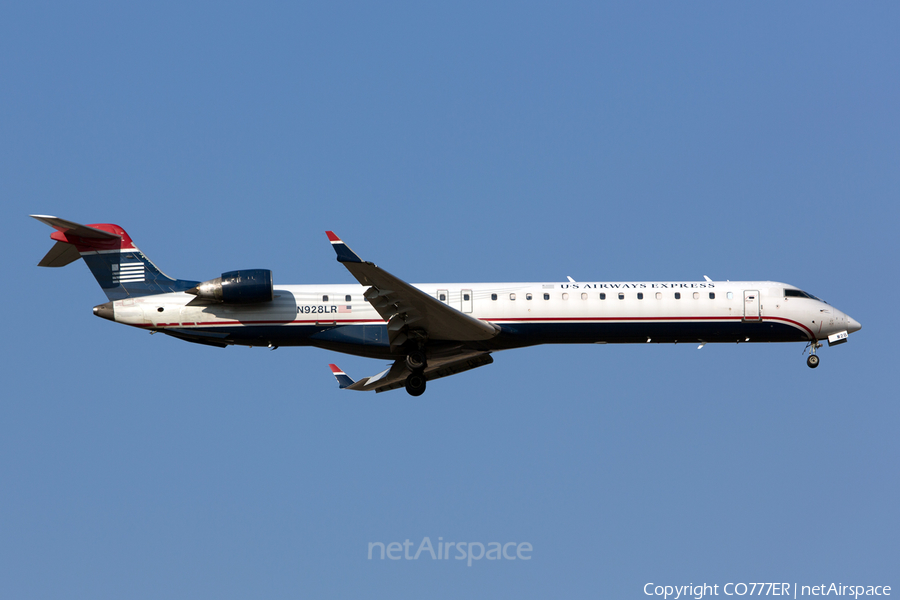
x=371 y=339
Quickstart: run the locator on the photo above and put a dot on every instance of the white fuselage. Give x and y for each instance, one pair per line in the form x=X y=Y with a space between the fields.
x=529 y=313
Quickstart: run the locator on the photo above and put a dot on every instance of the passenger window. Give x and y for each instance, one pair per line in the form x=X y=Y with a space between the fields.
x=546 y=296
x=565 y=296
x=621 y=296
x=712 y=295
x=325 y=298
x=466 y=297
x=678 y=295
x=347 y=298
x=583 y=296
x=730 y=295
x=640 y=295
x=512 y=296
x=442 y=297
x=659 y=295
x=696 y=295
x=602 y=296
x=528 y=296
x=493 y=296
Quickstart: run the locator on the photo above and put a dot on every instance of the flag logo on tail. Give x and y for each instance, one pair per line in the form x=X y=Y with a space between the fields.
x=128 y=272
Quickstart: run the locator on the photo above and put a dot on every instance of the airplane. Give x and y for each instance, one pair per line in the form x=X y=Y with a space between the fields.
x=430 y=331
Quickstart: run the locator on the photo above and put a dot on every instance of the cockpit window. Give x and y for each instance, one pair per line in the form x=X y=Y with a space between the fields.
x=799 y=294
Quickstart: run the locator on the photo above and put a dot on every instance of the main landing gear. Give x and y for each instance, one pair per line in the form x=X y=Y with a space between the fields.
x=812 y=361
x=415 y=361
x=415 y=381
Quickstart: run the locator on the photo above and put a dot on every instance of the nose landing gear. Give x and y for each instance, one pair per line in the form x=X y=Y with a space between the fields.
x=812 y=361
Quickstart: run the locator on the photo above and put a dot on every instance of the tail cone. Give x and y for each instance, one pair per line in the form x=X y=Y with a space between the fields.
x=105 y=311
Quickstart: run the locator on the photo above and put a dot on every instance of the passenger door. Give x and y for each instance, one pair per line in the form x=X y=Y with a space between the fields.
x=751 y=305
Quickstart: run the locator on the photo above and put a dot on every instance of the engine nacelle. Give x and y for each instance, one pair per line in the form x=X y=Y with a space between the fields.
x=237 y=287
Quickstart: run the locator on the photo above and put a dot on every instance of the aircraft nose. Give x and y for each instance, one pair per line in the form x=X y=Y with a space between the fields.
x=852 y=324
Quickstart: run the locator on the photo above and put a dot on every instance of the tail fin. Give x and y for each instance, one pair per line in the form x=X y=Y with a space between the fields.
x=119 y=267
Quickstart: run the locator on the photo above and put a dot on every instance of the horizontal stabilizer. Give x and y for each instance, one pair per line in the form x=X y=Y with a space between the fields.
x=61 y=254
x=76 y=229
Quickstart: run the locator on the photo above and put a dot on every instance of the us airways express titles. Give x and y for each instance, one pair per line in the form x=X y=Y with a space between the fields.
x=430 y=331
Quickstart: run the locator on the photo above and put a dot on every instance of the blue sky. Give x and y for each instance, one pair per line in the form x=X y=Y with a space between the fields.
x=507 y=142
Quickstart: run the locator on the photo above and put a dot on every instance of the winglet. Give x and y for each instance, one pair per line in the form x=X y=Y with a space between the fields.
x=344 y=253
x=342 y=378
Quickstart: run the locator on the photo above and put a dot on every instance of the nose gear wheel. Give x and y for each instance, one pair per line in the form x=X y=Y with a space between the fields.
x=812 y=361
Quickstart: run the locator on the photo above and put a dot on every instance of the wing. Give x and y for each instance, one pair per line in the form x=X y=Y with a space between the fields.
x=395 y=376
x=409 y=311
